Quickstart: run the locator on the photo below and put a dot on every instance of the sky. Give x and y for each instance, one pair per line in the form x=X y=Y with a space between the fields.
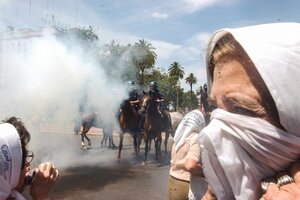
x=178 y=29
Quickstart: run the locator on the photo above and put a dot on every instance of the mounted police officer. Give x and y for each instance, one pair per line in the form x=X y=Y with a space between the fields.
x=134 y=97
x=155 y=95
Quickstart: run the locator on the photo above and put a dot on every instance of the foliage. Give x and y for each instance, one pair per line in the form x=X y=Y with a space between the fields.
x=136 y=62
x=115 y=59
x=87 y=35
x=143 y=57
x=190 y=101
x=191 y=80
x=176 y=72
x=81 y=39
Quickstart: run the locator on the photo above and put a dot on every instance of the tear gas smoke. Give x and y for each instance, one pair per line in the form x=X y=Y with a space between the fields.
x=45 y=82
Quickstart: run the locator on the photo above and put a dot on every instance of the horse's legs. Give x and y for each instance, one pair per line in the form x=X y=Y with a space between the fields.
x=82 y=141
x=84 y=131
x=135 y=143
x=158 y=147
x=110 y=138
x=111 y=141
x=104 y=139
x=146 y=138
x=88 y=139
x=120 y=143
x=139 y=141
x=150 y=144
x=167 y=135
x=83 y=135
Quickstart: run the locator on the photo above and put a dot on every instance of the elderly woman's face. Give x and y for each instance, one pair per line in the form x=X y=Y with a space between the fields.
x=233 y=90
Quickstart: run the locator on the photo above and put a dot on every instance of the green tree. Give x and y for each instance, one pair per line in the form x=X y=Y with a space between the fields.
x=189 y=101
x=144 y=57
x=114 y=59
x=81 y=39
x=177 y=72
x=87 y=35
x=191 y=80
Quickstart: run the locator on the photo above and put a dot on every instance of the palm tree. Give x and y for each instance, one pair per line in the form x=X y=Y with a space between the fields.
x=144 y=58
x=175 y=70
x=191 y=80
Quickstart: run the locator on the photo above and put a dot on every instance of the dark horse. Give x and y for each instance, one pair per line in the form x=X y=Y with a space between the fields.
x=89 y=120
x=129 y=122
x=155 y=123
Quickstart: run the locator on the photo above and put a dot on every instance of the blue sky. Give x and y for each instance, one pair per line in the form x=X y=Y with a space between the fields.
x=178 y=29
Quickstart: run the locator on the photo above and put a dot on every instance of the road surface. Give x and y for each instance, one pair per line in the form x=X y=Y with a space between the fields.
x=96 y=173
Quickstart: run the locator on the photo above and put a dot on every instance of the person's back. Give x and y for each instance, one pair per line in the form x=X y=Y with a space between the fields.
x=185 y=147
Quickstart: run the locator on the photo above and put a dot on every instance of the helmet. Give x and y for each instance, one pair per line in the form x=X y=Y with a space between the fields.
x=153 y=85
x=131 y=83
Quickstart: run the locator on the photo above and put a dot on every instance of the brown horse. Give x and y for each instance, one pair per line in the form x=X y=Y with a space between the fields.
x=89 y=120
x=155 y=123
x=129 y=123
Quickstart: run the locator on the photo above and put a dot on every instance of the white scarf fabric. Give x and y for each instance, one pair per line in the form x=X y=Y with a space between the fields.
x=10 y=161
x=237 y=151
x=192 y=122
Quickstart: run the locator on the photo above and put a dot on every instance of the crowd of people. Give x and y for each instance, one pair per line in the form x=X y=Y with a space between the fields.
x=249 y=149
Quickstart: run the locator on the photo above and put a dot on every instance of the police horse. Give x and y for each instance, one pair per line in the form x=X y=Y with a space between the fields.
x=155 y=123
x=129 y=123
x=89 y=120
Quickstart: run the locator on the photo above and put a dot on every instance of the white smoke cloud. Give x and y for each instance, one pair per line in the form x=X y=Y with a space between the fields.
x=45 y=83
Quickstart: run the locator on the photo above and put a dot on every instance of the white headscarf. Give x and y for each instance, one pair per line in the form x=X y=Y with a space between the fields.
x=10 y=161
x=192 y=122
x=235 y=156
x=275 y=51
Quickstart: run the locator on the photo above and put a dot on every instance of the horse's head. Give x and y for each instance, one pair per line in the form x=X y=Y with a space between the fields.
x=148 y=104
x=145 y=102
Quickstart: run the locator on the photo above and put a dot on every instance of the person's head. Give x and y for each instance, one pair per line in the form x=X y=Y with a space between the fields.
x=236 y=85
x=153 y=86
x=253 y=81
x=205 y=87
x=248 y=67
x=21 y=156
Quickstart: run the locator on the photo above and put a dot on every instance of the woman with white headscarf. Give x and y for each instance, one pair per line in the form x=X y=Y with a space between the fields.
x=15 y=161
x=253 y=79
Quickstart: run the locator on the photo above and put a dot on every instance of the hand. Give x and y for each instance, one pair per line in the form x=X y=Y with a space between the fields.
x=46 y=175
x=290 y=191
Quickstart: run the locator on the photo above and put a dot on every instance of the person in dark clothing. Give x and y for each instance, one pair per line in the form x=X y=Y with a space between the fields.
x=155 y=95
x=134 y=97
x=204 y=97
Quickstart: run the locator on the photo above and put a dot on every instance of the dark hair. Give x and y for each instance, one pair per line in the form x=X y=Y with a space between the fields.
x=23 y=133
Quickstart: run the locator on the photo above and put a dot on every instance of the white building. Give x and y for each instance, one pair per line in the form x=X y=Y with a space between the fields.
x=13 y=49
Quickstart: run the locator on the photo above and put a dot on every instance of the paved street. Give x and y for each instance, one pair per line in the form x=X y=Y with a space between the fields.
x=96 y=173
